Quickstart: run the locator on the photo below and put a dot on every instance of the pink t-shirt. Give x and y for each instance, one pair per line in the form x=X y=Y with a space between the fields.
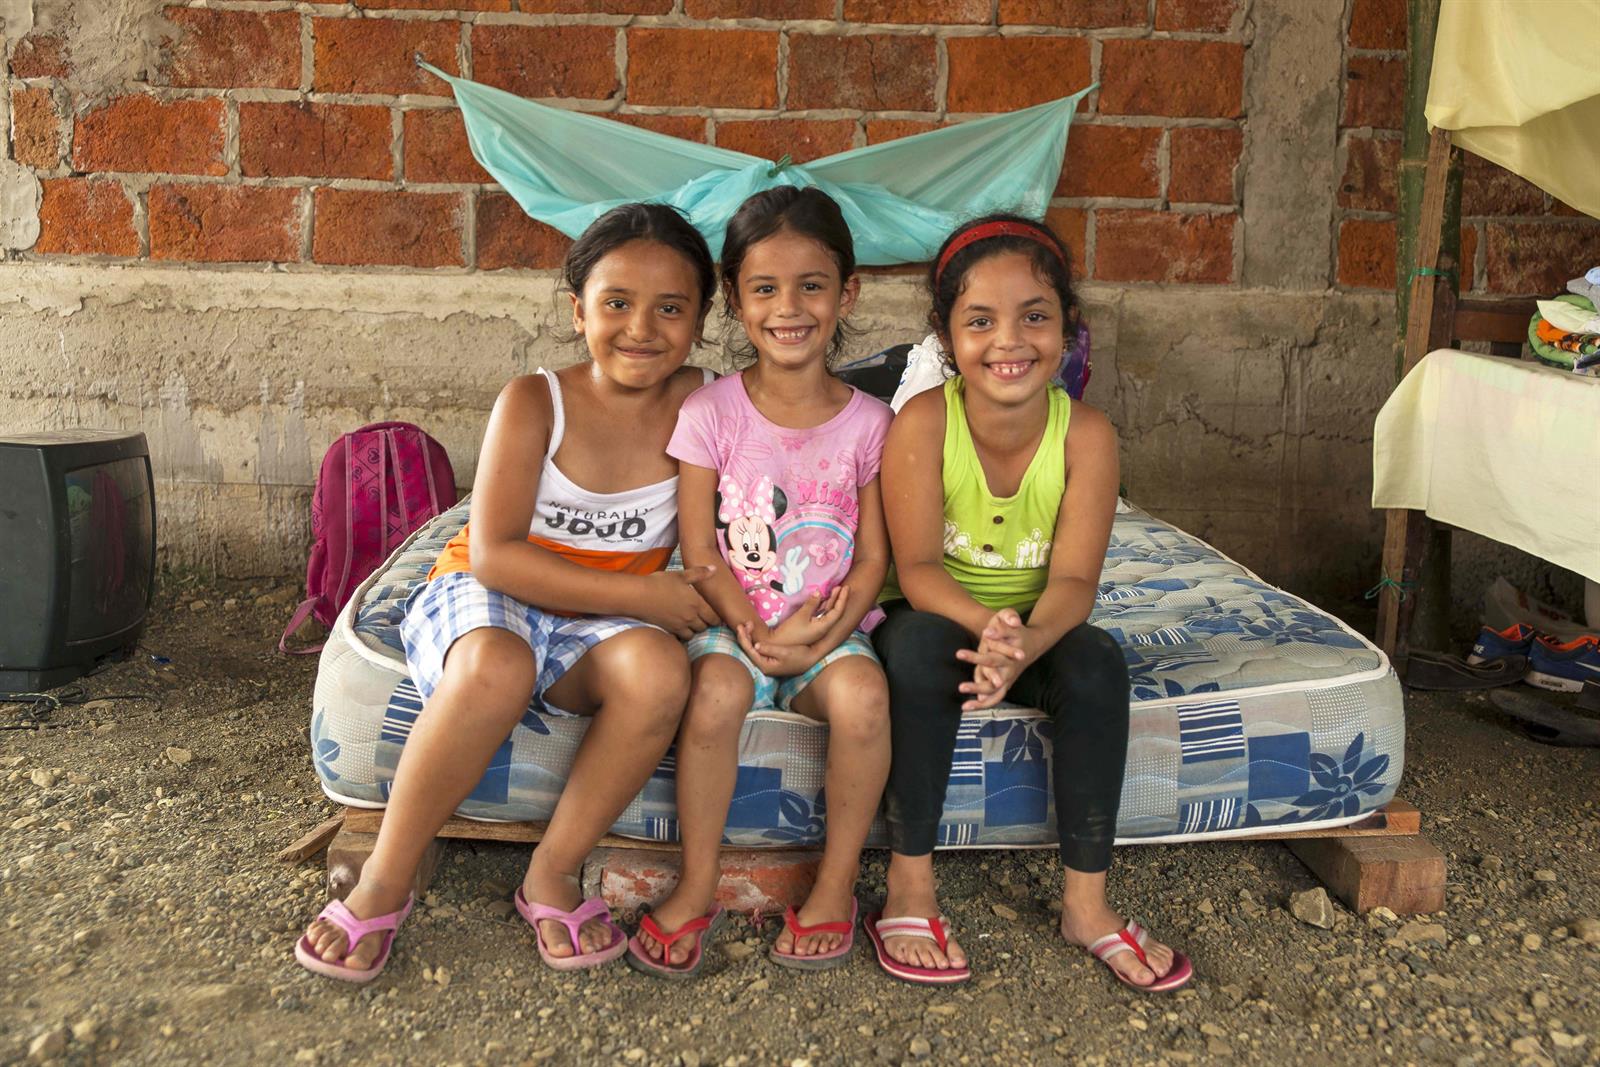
x=786 y=498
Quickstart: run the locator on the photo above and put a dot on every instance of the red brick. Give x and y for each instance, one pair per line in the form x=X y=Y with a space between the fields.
x=359 y=228
x=1180 y=79
x=86 y=217
x=1490 y=189
x=1366 y=254
x=439 y=5
x=437 y=149
x=1112 y=161
x=683 y=127
x=597 y=7
x=1378 y=24
x=872 y=72
x=1078 y=14
x=1469 y=256
x=1152 y=246
x=1196 y=16
x=710 y=68
x=759 y=9
x=507 y=237
x=231 y=49
x=224 y=223
x=41 y=55
x=881 y=130
x=1071 y=225
x=1371 y=174
x=35 y=128
x=1005 y=73
x=1537 y=258
x=1202 y=161
x=1559 y=207
x=376 y=55
x=544 y=61
x=1374 y=93
x=804 y=139
x=917 y=12
x=140 y=133
x=753 y=880
x=315 y=141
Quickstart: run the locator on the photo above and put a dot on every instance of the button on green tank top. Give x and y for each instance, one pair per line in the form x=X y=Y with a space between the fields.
x=998 y=548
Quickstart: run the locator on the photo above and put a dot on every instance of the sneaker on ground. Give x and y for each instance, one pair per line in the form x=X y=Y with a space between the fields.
x=1514 y=640
x=1564 y=666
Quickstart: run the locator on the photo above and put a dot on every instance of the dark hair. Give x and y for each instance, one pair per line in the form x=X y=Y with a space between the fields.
x=809 y=212
x=640 y=222
x=1052 y=262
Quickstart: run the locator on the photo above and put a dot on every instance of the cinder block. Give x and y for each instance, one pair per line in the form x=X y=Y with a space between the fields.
x=753 y=880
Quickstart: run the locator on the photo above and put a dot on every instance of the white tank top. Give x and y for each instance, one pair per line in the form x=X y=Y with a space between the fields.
x=625 y=523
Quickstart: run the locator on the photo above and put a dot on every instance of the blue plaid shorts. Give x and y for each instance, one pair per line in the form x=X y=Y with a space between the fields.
x=775 y=693
x=442 y=611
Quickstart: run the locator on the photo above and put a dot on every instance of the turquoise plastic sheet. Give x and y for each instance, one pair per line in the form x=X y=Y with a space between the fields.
x=900 y=199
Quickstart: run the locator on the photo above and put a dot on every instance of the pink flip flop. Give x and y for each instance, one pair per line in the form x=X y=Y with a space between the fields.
x=880 y=929
x=821 y=961
x=706 y=926
x=354 y=930
x=593 y=908
x=1131 y=938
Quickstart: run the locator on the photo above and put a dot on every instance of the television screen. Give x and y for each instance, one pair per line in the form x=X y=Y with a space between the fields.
x=77 y=552
x=109 y=514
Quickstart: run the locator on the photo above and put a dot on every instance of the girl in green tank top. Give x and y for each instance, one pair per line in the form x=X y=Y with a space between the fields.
x=999 y=493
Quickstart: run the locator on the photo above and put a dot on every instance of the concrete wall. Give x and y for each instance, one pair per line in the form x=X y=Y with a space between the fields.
x=1229 y=194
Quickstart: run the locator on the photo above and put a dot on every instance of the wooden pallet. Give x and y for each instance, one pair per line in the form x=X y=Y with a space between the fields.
x=1381 y=860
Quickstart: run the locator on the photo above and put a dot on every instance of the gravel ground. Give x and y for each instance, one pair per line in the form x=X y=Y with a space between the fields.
x=146 y=921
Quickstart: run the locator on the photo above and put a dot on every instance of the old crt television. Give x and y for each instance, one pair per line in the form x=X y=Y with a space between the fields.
x=77 y=553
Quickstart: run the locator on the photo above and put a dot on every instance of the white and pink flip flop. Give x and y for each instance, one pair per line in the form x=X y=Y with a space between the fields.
x=935 y=929
x=1131 y=938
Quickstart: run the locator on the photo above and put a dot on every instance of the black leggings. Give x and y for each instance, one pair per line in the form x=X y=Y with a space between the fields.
x=1081 y=684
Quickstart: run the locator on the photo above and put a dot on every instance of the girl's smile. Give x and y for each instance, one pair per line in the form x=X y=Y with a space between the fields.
x=790 y=298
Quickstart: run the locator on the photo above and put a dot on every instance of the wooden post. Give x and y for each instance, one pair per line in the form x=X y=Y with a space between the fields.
x=348 y=853
x=1430 y=322
x=1404 y=874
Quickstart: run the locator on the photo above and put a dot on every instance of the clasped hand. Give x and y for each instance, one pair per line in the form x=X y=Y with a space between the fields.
x=1001 y=655
x=790 y=648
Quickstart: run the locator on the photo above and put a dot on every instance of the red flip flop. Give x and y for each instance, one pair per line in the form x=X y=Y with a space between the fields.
x=1131 y=938
x=880 y=929
x=705 y=926
x=820 y=961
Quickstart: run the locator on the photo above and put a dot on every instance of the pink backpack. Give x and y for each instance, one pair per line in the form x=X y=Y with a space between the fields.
x=375 y=487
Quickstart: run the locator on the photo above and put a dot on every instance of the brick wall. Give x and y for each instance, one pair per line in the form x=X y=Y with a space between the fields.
x=1516 y=239
x=287 y=133
x=273 y=132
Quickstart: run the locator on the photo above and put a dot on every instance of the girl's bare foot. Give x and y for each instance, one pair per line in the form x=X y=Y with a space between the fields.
x=912 y=893
x=558 y=889
x=367 y=900
x=687 y=903
x=830 y=901
x=1085 y=924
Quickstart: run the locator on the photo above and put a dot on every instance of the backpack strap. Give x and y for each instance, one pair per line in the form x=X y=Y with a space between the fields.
x=297 y=620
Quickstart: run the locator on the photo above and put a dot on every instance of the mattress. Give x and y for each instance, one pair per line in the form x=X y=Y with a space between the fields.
x=1250 y=709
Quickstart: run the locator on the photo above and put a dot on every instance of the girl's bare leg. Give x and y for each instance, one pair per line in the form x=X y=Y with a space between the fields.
x=488 y=679
x=634 y=685
x=852 y=697
x=708 y=764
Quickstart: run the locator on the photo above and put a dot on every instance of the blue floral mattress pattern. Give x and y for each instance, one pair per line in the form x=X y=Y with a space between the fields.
x=1250 y=709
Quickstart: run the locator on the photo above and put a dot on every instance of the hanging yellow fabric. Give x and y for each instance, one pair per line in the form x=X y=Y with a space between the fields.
x=1518 y=83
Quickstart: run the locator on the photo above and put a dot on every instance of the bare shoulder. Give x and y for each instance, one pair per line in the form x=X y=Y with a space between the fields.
x=526 y=397
x=922 y=412
x=687 y=379
x=1090 y=427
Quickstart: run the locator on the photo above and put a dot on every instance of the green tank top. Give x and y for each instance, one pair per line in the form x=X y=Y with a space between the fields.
x=998 y=548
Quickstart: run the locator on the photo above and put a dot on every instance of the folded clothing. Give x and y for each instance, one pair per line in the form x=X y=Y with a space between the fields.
x=1588 y=285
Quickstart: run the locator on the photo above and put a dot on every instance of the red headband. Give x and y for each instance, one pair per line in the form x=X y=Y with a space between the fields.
x=986 y=230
